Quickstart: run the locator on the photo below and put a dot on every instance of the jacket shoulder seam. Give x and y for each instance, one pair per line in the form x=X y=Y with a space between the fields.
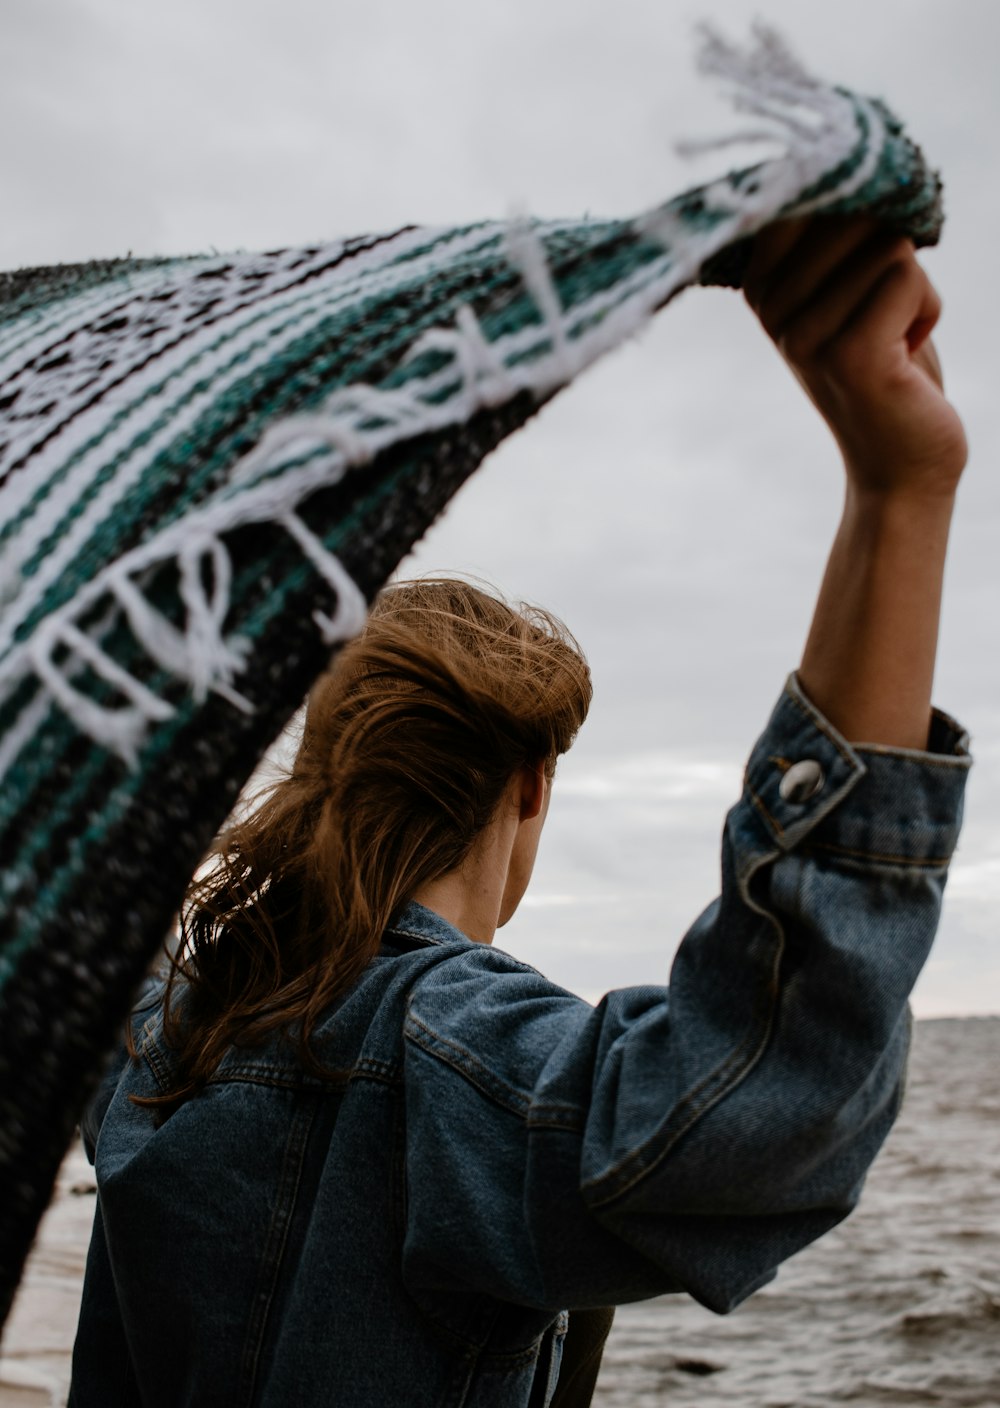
x=466 y=1065
x=536 y=1115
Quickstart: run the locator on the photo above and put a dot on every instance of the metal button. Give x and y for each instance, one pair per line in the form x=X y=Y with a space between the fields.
x=801 y=781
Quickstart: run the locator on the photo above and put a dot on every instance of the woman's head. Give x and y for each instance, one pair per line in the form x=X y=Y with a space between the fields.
x=416 y=732
x=410 y=742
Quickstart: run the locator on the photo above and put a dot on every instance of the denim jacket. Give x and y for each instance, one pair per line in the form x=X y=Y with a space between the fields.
x=493 y=1150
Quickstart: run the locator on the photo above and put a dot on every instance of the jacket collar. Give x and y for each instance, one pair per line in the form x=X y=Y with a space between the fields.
x=416 y=921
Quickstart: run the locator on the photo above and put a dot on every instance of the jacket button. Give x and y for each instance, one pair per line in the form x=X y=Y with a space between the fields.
x=801 y=781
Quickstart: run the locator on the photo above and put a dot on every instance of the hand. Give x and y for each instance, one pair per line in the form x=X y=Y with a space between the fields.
x=851 y=311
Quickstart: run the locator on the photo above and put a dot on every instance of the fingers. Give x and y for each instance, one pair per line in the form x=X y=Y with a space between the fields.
x=851 y=311
x=770 y=247
x=901 y=307
x=928 y=358
x=855 y=295
x=789 y=266
x=919 y=331
x=842 y=279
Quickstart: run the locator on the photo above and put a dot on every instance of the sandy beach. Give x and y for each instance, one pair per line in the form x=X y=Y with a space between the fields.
x=900 y=1305
x=38 y=1338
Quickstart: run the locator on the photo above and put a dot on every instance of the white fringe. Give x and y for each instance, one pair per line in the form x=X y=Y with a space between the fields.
x=818 y=125
x=526 y=252
x=352 y=609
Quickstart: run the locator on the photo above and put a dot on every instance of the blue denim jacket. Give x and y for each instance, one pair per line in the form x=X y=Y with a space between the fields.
x=495 y=1150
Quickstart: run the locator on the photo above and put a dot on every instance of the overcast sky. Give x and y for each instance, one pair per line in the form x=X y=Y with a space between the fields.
x=676 y=504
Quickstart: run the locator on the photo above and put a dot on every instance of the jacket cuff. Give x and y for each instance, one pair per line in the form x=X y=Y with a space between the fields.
x=905 y=804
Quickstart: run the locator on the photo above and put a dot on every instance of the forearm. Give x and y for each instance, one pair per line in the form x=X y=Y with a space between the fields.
x=868 y=663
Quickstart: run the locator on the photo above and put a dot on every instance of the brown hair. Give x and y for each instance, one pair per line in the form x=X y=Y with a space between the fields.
x=409 y=743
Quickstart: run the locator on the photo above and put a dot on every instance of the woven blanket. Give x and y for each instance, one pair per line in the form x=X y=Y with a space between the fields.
x=209 y=465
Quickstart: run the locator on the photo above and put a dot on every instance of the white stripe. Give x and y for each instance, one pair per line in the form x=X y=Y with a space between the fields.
x=165 y=363
x=183 y=280
x=35 y=327
x=186 y=360
x=15 y=739
x=866 y=168
x=186 y=409
x=269 y=500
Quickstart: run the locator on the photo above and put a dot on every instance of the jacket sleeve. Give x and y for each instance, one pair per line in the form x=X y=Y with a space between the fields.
x=691 y=1137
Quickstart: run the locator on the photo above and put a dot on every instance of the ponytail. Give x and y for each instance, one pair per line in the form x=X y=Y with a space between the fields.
x=408 y=745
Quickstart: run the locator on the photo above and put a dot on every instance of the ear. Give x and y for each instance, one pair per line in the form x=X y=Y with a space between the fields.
x=532 y=783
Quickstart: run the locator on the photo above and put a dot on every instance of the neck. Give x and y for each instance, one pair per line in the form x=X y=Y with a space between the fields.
x=470 y=896
x=475 y=916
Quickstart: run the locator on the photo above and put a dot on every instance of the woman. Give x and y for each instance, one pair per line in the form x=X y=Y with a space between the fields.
x=359 y=1156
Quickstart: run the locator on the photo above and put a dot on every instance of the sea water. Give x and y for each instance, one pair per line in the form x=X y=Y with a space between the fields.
x=899 y=1305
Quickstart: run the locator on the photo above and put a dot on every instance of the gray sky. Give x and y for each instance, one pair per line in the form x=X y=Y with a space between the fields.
x=676 y=504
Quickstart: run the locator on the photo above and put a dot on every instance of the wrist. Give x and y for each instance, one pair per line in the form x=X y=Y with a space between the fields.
x=917 y=506
x=885 y=472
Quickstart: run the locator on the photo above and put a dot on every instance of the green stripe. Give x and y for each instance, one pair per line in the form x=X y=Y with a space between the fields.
x=299 y=298
x=317 y=356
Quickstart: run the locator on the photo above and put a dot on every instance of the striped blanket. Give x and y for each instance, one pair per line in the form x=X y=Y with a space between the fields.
x=209 y=465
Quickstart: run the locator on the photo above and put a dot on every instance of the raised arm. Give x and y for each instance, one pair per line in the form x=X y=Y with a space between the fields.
x=851 y=310
x=693 y=1137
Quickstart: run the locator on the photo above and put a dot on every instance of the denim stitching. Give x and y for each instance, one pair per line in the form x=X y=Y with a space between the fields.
x=568 y=1117
x=250 y=1075
x=886 y=749
x=371 y=1065
x=914 y=862
x=821 y=726
x=818 y=815
x=761 y=806
x=726 y=1076
x=156 y=1062
x=949 y=762
x=290 y=1080
x=286 y=1194
x=467 y=1065
x=410 y=934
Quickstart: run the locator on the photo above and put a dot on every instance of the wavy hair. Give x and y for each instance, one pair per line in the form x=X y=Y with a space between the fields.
x=409 y=743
